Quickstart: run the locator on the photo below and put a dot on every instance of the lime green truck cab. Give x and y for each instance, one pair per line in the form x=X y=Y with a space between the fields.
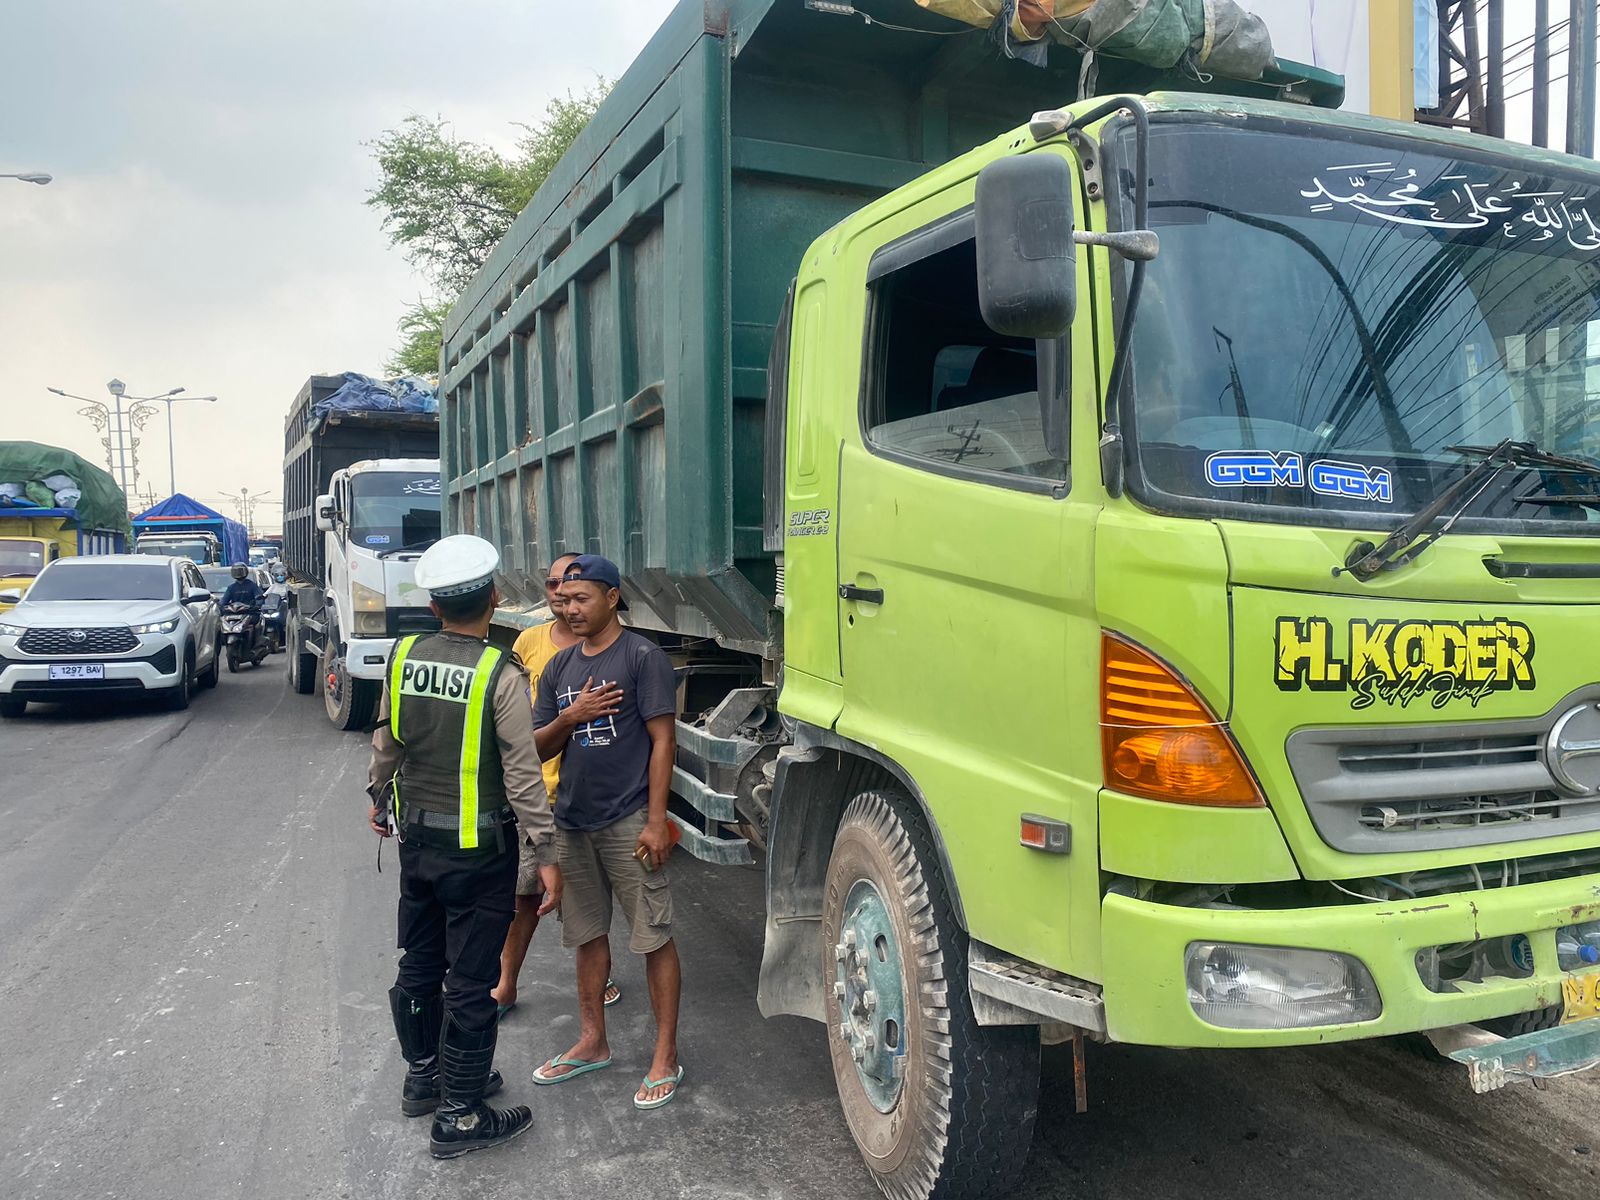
x=1139 y=583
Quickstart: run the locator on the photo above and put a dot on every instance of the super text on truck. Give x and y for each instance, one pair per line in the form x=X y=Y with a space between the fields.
x=1133 y=581
x=361 y=503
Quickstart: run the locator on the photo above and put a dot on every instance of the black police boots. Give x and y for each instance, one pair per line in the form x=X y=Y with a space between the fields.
x=463 y=1122
x=416 y=1025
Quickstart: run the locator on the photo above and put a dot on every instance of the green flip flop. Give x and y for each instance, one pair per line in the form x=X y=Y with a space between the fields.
x=578 y=1065
x=674 y=1079
x=611 y=986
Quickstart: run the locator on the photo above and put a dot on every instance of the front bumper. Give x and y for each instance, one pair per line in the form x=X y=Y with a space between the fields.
x=367 y=658
x=1146 y=998
x=151 y=666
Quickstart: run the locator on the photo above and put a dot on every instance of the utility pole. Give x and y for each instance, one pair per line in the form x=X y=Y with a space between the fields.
x=122 y=447
x=1581 y=78
x=1541 y=72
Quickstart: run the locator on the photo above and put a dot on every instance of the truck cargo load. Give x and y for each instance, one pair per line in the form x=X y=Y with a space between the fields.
x=53 y=504
x=178 y=515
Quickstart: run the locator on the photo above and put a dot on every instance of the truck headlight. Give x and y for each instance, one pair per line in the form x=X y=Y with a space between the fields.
x=156 y=626
x=370 y=618
x=1271 y=987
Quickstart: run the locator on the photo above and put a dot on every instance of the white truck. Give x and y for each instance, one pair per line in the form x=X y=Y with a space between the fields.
x=362 y=501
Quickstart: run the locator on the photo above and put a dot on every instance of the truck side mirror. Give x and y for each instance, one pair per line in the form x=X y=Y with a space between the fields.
x=325 y=513
x=10 y=596
x=1027 y=274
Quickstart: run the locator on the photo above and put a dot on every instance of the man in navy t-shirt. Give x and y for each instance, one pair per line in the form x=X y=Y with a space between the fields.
x=607 y=705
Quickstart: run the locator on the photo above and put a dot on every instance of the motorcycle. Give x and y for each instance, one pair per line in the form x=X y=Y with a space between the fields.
x=274 y=614
x=243 y=635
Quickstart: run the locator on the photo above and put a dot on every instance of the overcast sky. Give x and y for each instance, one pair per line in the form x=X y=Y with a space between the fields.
x=206 y=228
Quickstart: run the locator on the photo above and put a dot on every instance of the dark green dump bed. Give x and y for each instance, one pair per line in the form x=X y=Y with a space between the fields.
x=604 y=375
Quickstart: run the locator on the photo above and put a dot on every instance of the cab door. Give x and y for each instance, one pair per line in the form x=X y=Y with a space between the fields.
x=968 y=643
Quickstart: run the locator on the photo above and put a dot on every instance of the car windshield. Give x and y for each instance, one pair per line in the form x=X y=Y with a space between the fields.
x=390 y=509
x=1328 y=318
x=217 y=578
x=103 y=581
x=21 y=560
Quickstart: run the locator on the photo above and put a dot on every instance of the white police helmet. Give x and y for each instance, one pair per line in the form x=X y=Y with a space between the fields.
x=456 y=565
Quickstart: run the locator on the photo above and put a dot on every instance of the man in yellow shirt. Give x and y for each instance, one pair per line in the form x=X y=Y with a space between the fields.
x=535 y=647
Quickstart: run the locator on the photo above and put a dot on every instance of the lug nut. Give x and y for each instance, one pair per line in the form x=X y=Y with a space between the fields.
x=844 y=1030
x=857 y=1053
x=840 y=952
x=850 y=938
x=872 y=1043
x=870 y=999
x=838 y=988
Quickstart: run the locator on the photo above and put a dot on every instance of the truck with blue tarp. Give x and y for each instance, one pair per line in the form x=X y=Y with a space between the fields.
x=182 y=526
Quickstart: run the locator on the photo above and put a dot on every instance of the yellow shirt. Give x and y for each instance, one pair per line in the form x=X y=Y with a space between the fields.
x=535 y=649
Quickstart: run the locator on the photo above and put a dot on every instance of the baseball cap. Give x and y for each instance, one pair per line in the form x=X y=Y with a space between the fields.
x=594 y=568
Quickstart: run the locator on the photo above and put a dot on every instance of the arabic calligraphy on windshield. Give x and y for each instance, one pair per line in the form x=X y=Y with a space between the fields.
x=1520 y=212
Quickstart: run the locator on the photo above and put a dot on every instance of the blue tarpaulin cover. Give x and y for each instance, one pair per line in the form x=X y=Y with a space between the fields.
x=362 y=393
x=179 y=512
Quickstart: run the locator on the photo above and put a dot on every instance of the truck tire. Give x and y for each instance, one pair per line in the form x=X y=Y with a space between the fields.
x=12 y=706
x=350 y=702
x=941 y=1107
x=1518 y=1024
x=302 y=664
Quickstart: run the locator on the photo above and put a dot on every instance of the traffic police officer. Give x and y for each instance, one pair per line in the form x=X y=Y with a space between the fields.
x=454 y=771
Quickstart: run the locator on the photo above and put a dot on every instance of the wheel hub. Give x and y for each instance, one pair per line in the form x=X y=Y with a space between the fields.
x=867 y=984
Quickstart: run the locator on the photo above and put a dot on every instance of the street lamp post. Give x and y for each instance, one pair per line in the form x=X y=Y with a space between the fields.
x=38 y=177
x=246 y=504
x=169 y=399
x=121 y=456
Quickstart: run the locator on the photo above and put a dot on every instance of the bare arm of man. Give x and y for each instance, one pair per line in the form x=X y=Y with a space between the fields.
x=663 y=752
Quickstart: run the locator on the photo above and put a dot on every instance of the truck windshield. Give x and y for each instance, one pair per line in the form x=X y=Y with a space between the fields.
x=390 y=509
x=20 y=559
x=1329 y=317
x=197 y=550
x=103 y=581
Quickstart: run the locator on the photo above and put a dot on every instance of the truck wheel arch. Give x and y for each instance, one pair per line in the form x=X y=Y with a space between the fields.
x=816 y=779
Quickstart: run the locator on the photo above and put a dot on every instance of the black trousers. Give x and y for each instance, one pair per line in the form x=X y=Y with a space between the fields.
x=455 y=909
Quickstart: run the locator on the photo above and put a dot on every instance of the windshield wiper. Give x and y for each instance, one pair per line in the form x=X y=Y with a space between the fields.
x=1413 y=536
x=413 y=548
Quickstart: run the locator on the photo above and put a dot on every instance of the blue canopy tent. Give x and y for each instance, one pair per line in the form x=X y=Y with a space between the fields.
x=179 y=513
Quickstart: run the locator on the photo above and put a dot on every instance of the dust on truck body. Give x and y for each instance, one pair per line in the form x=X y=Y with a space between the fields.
x=361 y=501
x=1043 y=636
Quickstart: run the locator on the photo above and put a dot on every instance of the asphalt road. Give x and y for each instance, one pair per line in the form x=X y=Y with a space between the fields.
x=195 y=949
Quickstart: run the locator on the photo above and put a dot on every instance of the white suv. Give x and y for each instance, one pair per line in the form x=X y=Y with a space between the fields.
x=110 y=623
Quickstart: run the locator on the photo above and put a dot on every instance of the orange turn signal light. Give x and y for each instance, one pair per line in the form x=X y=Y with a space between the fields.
x=1160 y=740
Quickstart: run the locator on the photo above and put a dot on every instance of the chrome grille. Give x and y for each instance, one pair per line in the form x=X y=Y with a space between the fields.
x=115 y=640
x=1375 y=790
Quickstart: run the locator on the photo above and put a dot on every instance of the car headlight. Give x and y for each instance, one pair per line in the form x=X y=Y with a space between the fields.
x=12 y=630
x=1275 y=987
x=156 y=626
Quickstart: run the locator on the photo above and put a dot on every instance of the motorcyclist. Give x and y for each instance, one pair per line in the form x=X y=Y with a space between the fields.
x=243 y=589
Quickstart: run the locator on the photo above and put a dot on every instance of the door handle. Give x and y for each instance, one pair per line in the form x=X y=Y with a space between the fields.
x=861 y=595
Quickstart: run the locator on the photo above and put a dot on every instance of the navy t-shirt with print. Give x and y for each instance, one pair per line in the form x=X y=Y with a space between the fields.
x=606 y=765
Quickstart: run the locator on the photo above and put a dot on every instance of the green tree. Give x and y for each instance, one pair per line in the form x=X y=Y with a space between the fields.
x=446 y=201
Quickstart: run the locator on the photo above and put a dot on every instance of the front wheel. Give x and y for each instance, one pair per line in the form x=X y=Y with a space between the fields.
x=233 y=658
x=350 y=702
x=209 y=677
x=177 y=696
x=941 y=1107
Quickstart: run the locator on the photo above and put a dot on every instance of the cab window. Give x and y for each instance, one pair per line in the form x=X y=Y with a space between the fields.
x=943 y=391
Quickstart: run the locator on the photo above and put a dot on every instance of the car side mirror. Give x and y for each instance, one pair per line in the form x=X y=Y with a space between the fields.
x=10 y=596
x=325 y=513
x=196 y=596
x=1027 y=269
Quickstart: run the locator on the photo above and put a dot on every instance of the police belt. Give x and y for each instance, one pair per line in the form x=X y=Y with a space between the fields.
x=442 y=831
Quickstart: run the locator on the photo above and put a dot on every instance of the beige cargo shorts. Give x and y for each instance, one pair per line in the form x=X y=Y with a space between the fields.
x=599 y=865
